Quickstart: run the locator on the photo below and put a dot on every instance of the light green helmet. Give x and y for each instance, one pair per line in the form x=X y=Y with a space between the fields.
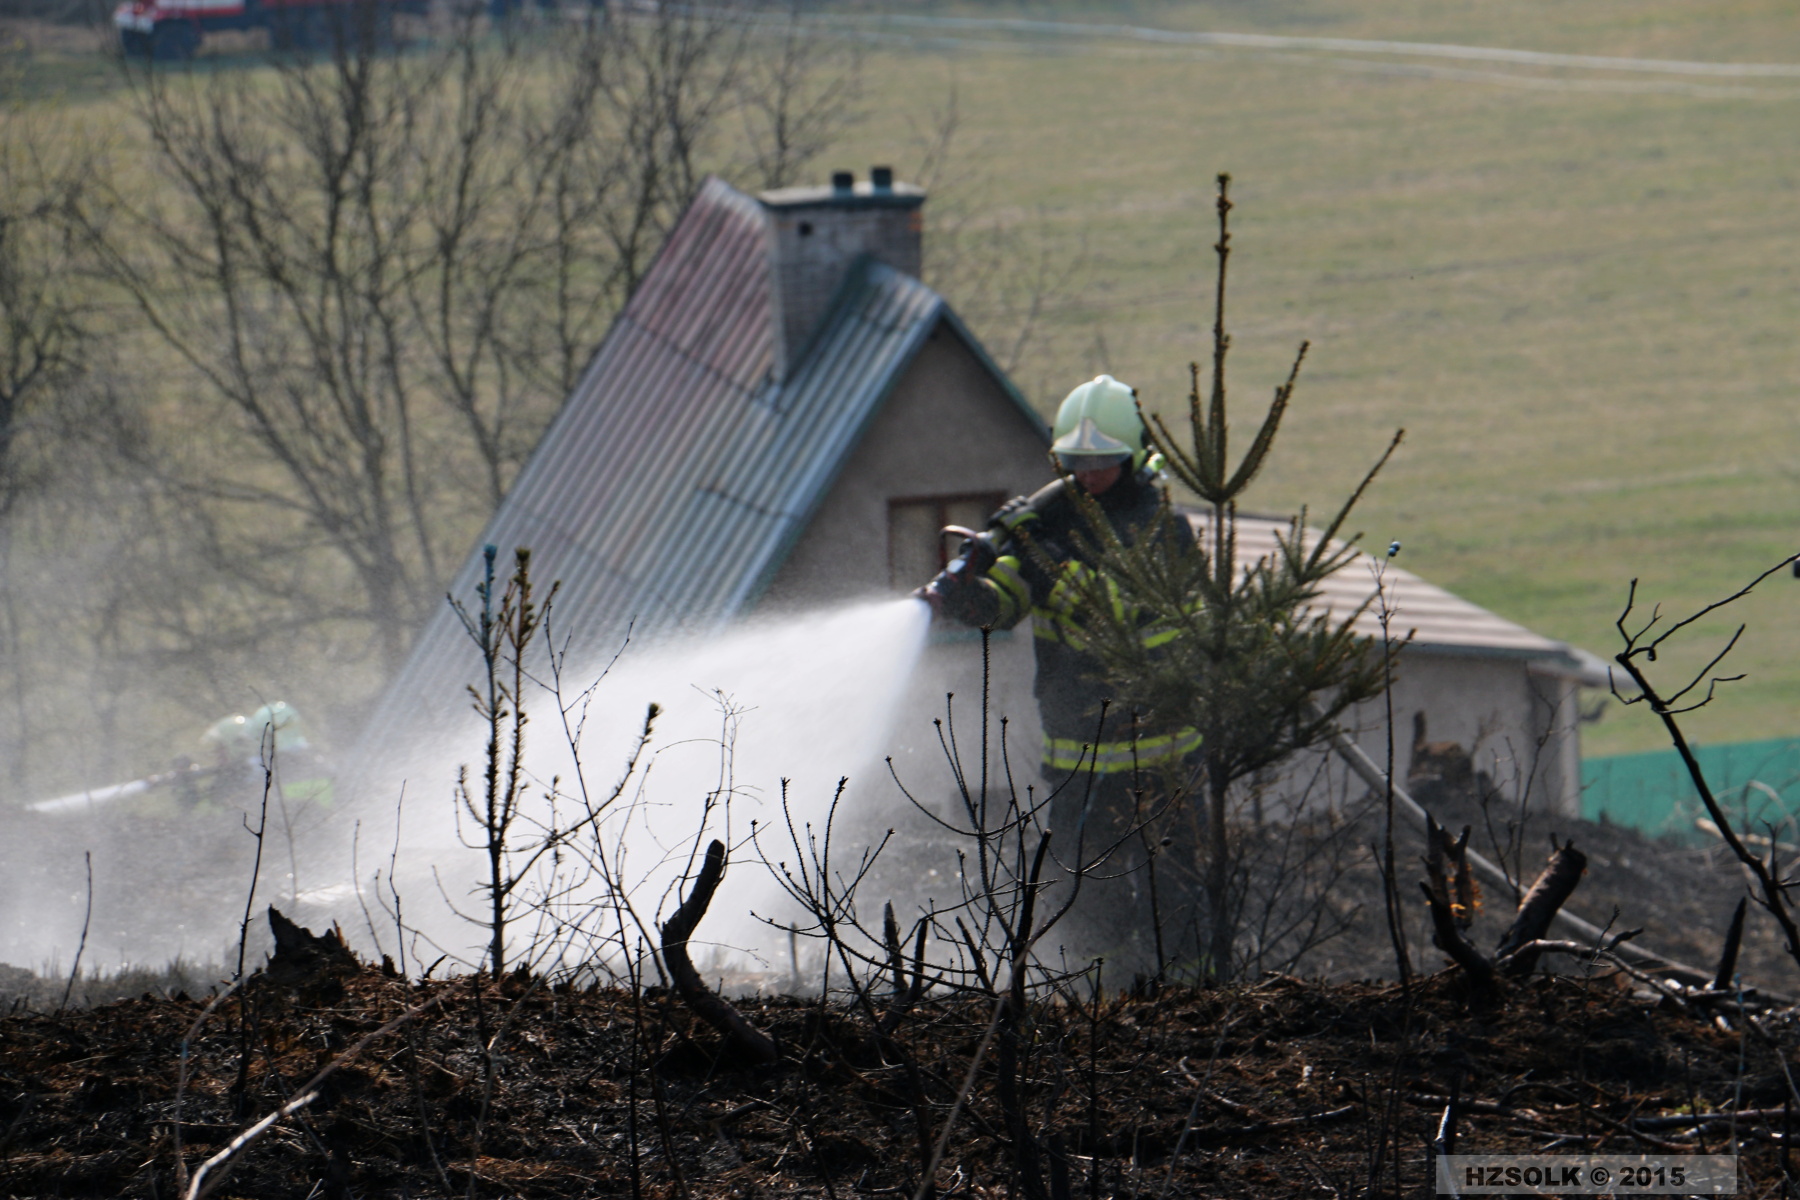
x=231 y=736
x=285 y=721
x=1098 y=426
x=242 y=737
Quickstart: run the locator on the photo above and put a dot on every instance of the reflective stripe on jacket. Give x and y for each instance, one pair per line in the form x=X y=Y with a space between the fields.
x=1110 y=758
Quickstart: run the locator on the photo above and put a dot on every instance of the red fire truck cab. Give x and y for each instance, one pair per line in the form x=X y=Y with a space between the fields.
x=173 y=29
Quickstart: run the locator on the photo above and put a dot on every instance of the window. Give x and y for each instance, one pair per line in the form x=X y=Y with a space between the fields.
x=916 y=552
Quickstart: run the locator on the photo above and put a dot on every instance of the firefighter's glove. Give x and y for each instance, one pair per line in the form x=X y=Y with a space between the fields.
x=964 y=600
x=947 y=593
x=1012 y=514
x=978 y=555
x=953 y=594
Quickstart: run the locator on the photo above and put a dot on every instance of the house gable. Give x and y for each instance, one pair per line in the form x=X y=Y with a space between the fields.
x=950 y=428
x=683 y=471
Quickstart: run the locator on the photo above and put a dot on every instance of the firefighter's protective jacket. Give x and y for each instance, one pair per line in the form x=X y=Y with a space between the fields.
x=1040 y=561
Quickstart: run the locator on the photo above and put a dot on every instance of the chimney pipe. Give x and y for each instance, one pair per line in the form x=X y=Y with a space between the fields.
x=819 y=233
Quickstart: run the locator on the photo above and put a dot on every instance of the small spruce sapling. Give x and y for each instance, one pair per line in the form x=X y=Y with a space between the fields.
x=1250 y=665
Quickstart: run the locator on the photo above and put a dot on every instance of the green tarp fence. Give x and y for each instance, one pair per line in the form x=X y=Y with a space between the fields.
x=1756 y=782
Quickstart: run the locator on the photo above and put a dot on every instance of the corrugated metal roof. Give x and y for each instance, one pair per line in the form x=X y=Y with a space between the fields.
x=1440 y=621
x=679 y=473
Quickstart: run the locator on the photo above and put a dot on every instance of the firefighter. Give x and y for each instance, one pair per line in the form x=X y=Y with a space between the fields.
x=1031 y=559
x=242 y=745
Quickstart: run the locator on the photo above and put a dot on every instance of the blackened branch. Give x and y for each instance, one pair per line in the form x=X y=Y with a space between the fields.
x=710 y=1007
x=1553 y=887
x=1769 y=885
x=1448 y=938
x=1704 y=671
x=1718 y=604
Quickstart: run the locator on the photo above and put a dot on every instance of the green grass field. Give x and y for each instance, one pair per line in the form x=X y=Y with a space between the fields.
x=1578 y=288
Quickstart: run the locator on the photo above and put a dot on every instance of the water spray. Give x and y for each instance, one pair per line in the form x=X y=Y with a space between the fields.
x=766 y=709
x=757 y=727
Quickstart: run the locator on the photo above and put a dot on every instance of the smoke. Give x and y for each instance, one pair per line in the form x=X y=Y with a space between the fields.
x=756 y=729
x=771 y=708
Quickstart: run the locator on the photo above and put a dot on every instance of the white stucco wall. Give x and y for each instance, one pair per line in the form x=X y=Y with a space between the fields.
x=947 y=429
x=1519 y=725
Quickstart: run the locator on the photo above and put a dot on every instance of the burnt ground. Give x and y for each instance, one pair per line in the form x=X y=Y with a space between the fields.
x=1324 y=1080
x=1319 y=876
x=1275 y=1088
x=1680 y=894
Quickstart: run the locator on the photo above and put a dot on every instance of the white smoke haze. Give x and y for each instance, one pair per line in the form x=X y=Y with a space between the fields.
x=809 y=699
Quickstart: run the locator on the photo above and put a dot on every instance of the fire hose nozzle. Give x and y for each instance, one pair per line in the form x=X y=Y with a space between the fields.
x=978 y=552
x=973 y=559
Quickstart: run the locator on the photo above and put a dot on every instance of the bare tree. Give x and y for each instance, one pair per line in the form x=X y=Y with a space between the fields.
x=798 y=93
x=53 y=391
x=1004 y=270
x=383 y=272
x=46 y=323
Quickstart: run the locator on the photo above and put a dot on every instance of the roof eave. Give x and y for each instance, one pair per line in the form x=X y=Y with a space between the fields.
x=854 y=282
x=1528 y=654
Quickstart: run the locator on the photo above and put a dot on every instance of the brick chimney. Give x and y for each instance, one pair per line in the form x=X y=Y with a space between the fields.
x=819 y=232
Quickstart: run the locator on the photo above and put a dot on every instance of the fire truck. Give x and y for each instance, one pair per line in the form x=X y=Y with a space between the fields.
x=173 y=29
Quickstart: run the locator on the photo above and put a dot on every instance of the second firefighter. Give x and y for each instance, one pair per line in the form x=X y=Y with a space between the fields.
x=1035 y=559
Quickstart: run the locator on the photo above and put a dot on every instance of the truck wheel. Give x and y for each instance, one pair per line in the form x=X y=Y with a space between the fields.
x=174 y=41
x=135 y=43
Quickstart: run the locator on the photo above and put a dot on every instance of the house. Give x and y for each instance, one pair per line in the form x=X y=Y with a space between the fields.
x=784 y=417
x=1472 y=682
